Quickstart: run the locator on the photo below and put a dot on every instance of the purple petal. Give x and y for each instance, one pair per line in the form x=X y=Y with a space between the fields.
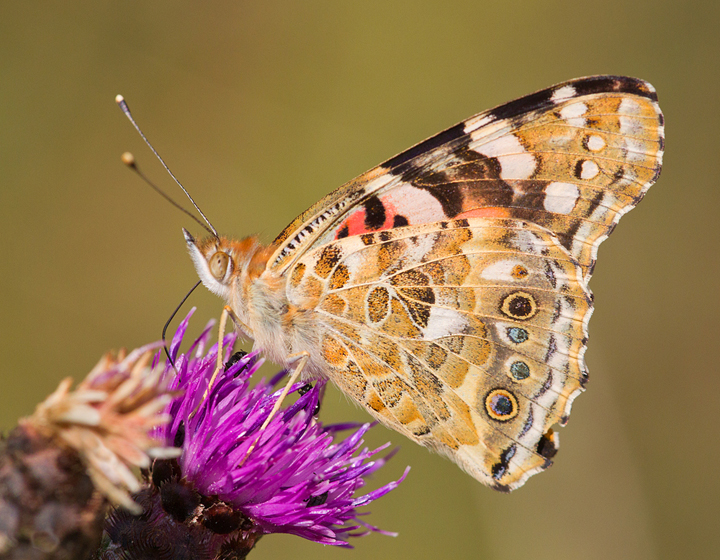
x=301 y=477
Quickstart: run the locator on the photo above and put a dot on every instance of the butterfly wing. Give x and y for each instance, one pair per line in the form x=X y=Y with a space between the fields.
x=467 y=336
x=572 y=158
x=450 y=283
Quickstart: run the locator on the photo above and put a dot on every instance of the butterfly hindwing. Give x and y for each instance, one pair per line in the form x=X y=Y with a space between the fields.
x=467 y=335
x=572 y=158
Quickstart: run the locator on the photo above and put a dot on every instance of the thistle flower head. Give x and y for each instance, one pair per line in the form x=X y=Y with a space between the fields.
x=300 y=477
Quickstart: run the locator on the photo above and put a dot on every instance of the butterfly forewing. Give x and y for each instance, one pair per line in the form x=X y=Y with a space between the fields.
x=572 y=158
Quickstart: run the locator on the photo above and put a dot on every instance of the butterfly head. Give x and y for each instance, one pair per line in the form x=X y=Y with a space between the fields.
x=221 y=262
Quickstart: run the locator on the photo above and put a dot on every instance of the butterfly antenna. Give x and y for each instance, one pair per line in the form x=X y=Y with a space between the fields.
x=120 y=100
x=167 y=323
x=129 y=160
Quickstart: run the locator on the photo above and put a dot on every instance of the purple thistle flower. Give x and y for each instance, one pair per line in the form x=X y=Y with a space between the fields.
x=300 y=478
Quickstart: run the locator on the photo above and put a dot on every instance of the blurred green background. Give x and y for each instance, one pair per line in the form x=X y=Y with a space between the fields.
x=261 y=108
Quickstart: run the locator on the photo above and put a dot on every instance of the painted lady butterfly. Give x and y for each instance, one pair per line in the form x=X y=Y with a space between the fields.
x=446 y=290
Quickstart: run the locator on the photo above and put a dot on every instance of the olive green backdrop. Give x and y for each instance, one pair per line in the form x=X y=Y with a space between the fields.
x=263 y=107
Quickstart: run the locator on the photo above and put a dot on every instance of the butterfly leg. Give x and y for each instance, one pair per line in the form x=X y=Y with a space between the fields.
x=227 y=312
x=301 y=358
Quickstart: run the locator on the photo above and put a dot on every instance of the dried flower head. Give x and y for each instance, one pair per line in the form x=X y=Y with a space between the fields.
x=61 y=466
x=107 y=419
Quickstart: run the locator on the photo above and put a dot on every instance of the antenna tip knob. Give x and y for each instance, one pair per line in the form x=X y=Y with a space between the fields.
x=119 y=99
x=128 y=159
x=189 y=239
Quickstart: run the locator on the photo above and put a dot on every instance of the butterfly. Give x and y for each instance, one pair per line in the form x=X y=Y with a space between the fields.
x=446 y=290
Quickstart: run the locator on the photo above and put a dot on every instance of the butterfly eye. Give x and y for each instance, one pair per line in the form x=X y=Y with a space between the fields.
x=219 y=263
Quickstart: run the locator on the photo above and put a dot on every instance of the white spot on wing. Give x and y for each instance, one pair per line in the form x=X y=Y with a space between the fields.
x=476 y=122
x=355 y=262
x=589 y=169
x=573 y=110
x=444 y=322
x=629 y=106
x=515 y=161
x=573 y=114
x=416 y=251
x=560 y=197
x=417 y=205
x=565 y=92
x=500 y=271
x=595 y=143
x=520 y=166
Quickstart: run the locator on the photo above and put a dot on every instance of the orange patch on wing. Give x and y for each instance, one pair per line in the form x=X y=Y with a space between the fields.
x=355 y=223
x=494 y=212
